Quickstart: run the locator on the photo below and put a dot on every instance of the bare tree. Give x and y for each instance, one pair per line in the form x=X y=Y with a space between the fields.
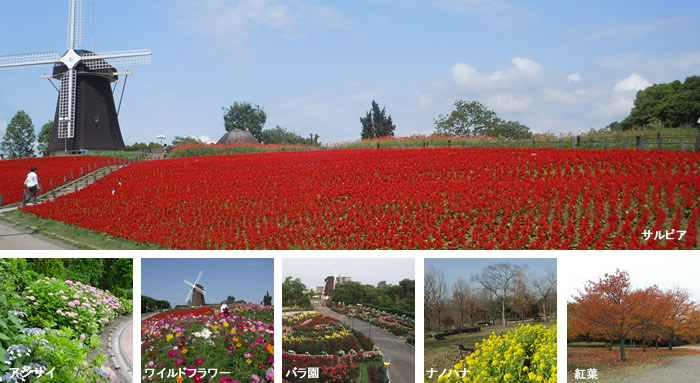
x=498 y=279
x=434 y=292
x=546 y=289
x=460 y=296
x=523 y=299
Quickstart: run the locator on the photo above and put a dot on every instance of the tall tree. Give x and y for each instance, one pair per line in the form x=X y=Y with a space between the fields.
x=467 y=119
x=608 y=306
x=678 y=315
x=43 y=139
x=498 y=279
x=435 y=291
x=294 y=293
x=19 y=138
x=376 y=123
x=546 y=288
x=652 y=308
x=245 y=116
x=460 y=296
x=267 y=299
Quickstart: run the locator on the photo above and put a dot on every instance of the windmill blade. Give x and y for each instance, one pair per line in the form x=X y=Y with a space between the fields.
x=114 y=59
x=76 y=23
x=189 y=296
x=189 y=283
x=198 y=277
x=202 y=290
x=29 y=60
x=66 y=105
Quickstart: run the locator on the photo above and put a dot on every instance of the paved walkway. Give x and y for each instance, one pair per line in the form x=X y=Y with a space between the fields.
x=681 y=369
x=19 y=238
x=126 y=343
x=403 y=357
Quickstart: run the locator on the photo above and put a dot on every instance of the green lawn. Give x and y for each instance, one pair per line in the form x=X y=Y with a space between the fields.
x=442 y=354
x=73 y=235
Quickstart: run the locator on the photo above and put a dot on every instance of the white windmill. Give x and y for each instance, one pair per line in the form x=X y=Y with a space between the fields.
x=197 y=292
x=86 y=117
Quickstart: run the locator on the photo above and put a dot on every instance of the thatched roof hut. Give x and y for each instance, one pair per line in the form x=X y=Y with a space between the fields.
x=237 y=136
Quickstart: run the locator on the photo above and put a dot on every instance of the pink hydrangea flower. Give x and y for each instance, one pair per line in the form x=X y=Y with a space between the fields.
x=69 y=282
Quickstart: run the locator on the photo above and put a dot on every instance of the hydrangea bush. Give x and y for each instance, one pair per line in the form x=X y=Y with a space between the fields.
x=83 y=308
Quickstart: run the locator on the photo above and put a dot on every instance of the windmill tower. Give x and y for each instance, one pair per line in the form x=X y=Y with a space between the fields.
x=197 y=292
x=86 y=116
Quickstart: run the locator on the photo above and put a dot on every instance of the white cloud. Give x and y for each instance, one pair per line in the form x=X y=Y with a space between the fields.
x=574 y=77
x=509 y=103
x=574 y=97
x=632 y=83
x=617 y=106
x=205 y=139
x=235 y=21
x=522 y=69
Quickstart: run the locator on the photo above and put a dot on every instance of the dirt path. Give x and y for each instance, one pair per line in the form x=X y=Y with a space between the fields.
x=402 y=356
x=682 y=369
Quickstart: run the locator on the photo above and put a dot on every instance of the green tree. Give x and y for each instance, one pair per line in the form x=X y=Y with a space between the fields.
x=44 y=137
x=467 y=119
x=184 y=140
x=244 y=116
x=280 y=135
x=294 y=293
x=49 y=267
x=19 y=137
x=267 y=299
x=230 y=298
x=508 y=129
x=353 y=293
x=85 y=270
x=376 y=124
x=670 y=105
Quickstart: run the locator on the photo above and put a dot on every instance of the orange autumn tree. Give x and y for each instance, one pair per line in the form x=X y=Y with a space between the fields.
x=678 y=319
x=650 y=314
x=609 y=306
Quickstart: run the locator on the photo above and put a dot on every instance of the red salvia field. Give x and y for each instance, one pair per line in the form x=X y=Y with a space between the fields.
x=14 y=172
x=490 y=198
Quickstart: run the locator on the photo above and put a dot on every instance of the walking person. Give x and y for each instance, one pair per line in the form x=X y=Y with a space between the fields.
x=224 y=309
x=32 y=183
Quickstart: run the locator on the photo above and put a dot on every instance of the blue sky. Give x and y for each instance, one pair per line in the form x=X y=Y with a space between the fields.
x=466 y=267
x=316 y=65
x=370 y=271
x=246 y=279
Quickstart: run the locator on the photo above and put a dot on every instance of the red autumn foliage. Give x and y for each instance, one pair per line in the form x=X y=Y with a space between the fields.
x=490 y=198
x=610 y=309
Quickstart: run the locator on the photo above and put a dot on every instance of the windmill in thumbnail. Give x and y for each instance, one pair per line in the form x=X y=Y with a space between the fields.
x=196 y=293
x=86 y=116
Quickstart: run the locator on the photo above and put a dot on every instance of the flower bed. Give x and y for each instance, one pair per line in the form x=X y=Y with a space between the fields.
x=241 y=343
x=180 y=312
x=75 y=305
x=14 y=172
x=489 y=198
x=528 y=354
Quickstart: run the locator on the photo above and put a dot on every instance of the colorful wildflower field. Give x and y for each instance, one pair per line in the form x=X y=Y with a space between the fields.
x=50 y=169
x=188 y=345
x=450 y=198
x=528 y=354
x=50 y=327
x=314 y=340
